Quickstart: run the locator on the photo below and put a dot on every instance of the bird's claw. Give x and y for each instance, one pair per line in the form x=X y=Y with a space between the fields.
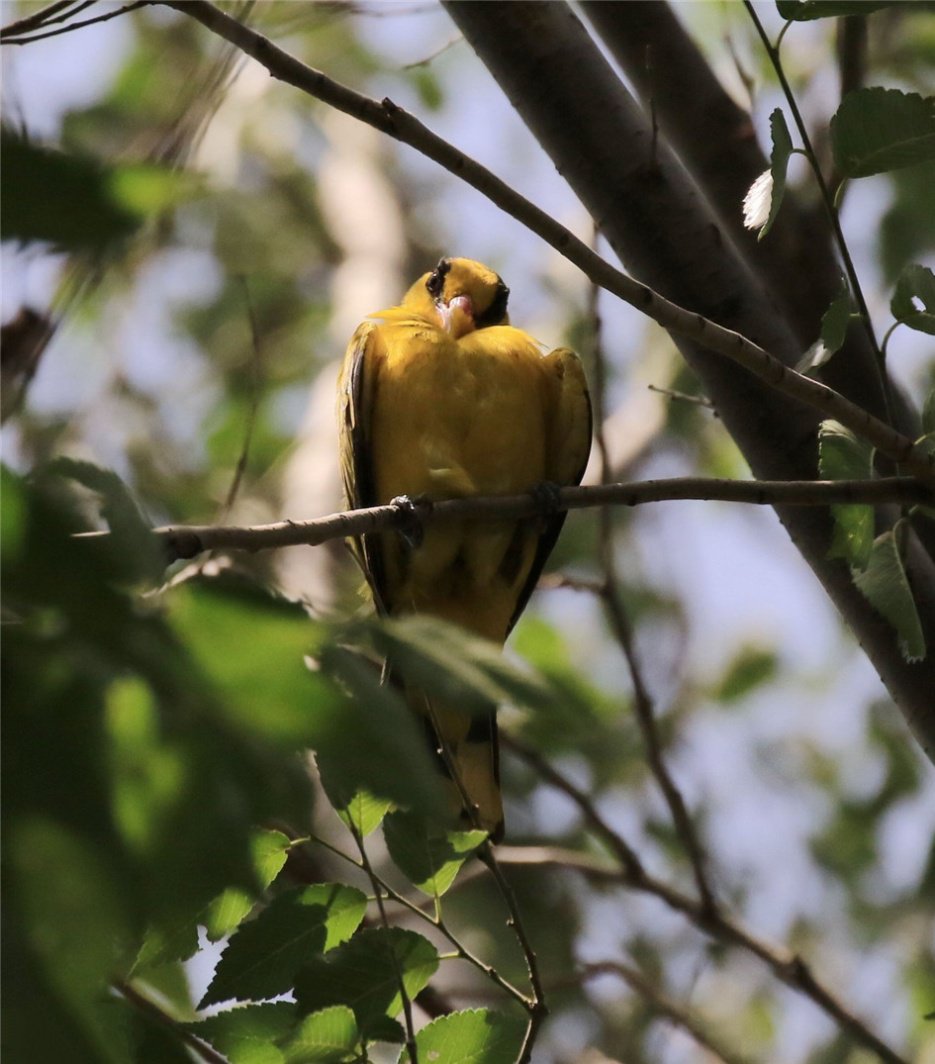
x=412 y=510
x=548 y=496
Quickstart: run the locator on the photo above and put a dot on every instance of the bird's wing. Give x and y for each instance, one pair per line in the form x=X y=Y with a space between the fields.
x=355 y=397
x=568 y=449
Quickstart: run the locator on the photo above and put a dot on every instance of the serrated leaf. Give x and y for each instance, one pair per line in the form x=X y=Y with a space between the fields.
x=263 y=956
x=876 y=129
x=270 y=852
x=915 y=283
x=885 y=586
x=474 y=1036
x=365 y=974
x=249 y=1035
x=778 y=165
x=326 y=1037
x=806 y=10
x=842 y=456
x=362 y=811
x=427 y=855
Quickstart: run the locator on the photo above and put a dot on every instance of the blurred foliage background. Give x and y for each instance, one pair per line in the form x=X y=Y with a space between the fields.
x=203 y=240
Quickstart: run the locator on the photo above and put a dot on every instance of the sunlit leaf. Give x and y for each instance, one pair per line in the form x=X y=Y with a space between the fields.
x=263 y=956
x=778 y=165
x=875 y=130
x=365 y=974
x=426 y=854
x=325 y=1037
x=474 y=1036
x=270 y=851
x=842 y=456
x=249 y=1035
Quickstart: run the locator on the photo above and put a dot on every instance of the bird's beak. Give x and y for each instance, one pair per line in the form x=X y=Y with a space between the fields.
x=457 y=316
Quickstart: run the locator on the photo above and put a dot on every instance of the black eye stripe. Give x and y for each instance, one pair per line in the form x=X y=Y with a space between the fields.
x=436 y=281
x=496 y=312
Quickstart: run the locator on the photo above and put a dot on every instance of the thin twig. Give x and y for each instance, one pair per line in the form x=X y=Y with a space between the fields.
x=151 y=1009
x=392 y=120
x=256 y=388
x=620 y=627
x=785 y=965
x=378 y=895
x=187 y=541
x=661 y=1002
x=827 y=200
x=5 y=39
x=683 y=397
x=437 y=922
x=537 y=1008
x=45 y=16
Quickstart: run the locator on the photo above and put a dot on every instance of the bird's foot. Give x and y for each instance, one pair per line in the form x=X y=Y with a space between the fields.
x=412 y=510
x=548 y=496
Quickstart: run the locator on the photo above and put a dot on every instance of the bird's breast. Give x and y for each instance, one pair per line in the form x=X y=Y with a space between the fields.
x=459 y=417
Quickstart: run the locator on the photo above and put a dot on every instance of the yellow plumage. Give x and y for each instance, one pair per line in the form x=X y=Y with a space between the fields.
x=441 y=397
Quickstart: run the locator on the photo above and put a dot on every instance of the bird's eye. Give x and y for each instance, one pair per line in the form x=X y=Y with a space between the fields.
x=436 y=281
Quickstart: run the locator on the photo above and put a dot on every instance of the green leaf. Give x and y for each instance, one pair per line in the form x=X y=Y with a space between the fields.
x=75 y=917
x=270 y=852
x=806 y=10
x=459 y=668
x=834 y=323
x=884 y=584
x=751 y=668
x=778 y=165
x=875 y=130
x=13 y=512
x=394 y=763
x=132 y=547
x=252 y=645
x=427 y=855
x=326 y=1037
x=365 y=973
x=61 y=199
x=363 y=811
x=915 y=283
x=474 y=1036
x=249 y=1035
x=842 y=456
x=263 y=956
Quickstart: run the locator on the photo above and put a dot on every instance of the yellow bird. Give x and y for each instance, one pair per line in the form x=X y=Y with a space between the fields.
x=441 y=397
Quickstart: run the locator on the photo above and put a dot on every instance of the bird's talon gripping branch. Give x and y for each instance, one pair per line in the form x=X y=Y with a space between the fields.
x=413 y=510
x=548 y=496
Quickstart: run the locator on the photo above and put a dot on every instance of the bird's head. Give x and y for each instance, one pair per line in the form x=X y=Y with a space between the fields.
x=461 y=295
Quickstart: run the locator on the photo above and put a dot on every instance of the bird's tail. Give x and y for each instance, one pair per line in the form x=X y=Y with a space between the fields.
x=468 y=754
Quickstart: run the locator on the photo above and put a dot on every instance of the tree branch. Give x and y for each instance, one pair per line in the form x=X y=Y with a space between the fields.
x=672 y=1010
x=151 y=1009
x=8 y=37
x=395 y=122
x=785 y=965
x=187 y=541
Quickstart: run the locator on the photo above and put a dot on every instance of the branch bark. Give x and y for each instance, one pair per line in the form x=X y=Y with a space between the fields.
x=647 y=208
x=187 y=541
